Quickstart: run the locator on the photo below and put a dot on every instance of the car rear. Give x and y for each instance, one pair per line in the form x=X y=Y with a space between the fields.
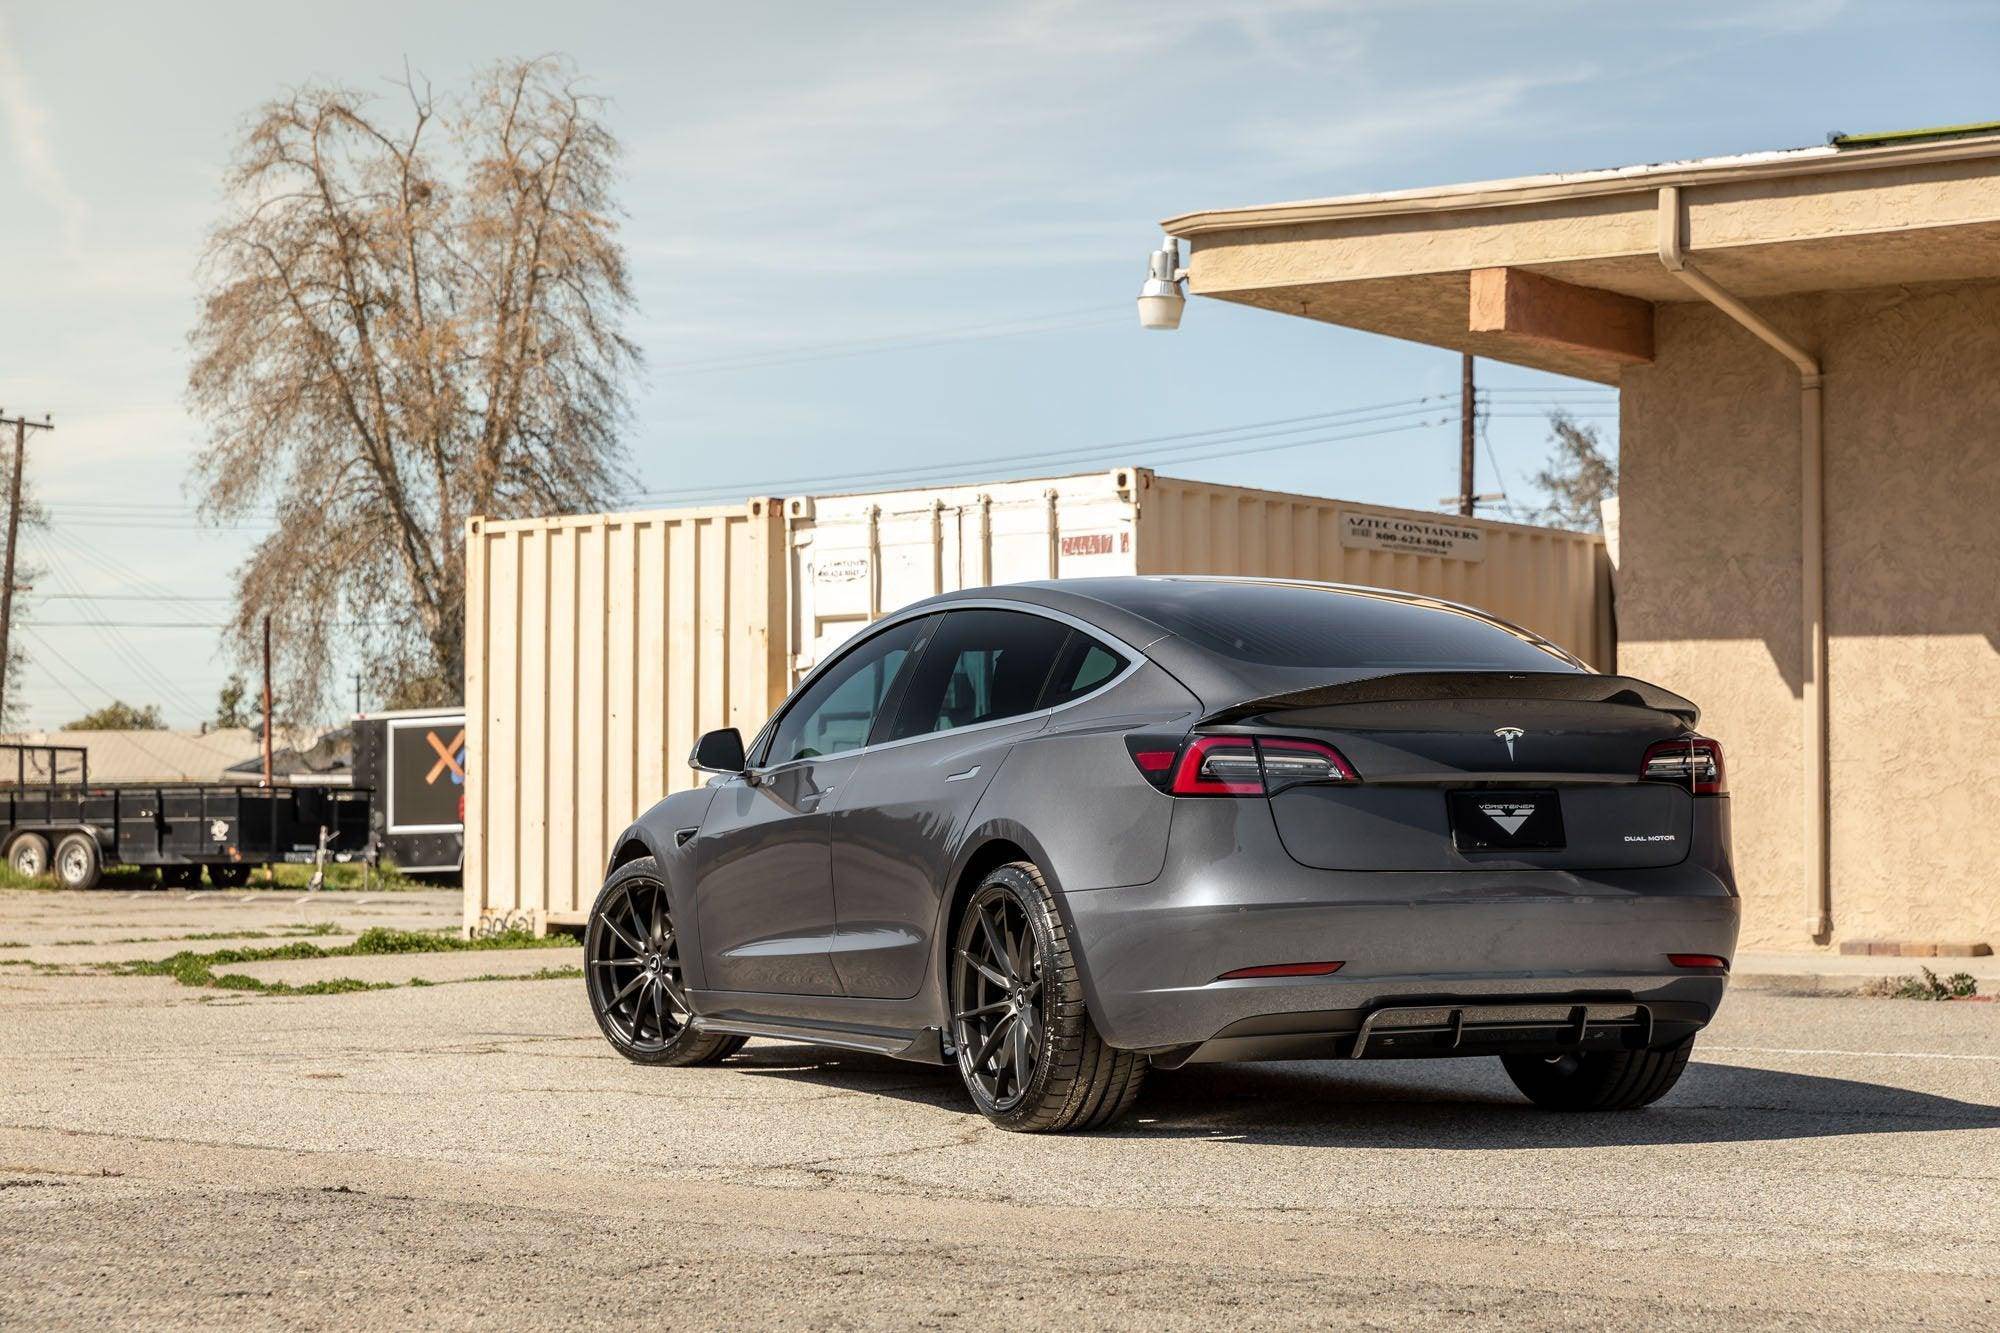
x=1412 y=862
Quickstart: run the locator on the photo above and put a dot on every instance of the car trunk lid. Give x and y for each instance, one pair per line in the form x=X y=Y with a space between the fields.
x=1482 y=770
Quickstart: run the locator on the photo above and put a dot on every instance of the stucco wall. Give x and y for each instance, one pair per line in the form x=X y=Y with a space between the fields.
x=1708 y=594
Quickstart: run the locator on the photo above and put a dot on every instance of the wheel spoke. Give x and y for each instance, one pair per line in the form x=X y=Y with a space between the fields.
x=612 y=925
x=995 y=1007
x=672 y=986
x=660 y=1006
x=615 y=962
x=998 y=948
x=658 y=929
x=984 y=970
x=627 y=989
x=993 y=1040
x=1021 y=1055
x=638 y=922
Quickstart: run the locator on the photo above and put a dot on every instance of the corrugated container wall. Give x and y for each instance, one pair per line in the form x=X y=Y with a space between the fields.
x=598 y=647
x=595 y=647
x=856 y=557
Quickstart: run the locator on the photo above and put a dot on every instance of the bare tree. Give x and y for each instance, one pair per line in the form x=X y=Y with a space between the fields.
x=403 y=325
x=1578 y=477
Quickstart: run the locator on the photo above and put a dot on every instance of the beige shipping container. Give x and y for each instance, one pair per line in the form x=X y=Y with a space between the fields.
x=596 y=646
x=856 y=557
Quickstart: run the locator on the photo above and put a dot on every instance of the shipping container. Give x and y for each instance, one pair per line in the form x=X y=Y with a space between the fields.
x=599 y=647
x=595 y=647
x=856 y=557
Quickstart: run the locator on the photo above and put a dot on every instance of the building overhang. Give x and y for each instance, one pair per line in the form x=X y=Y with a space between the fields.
x=1562 y=272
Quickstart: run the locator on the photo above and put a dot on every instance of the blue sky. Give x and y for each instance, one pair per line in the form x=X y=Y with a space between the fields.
x=871 y=237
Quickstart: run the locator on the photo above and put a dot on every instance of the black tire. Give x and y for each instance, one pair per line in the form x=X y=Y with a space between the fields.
x=78 y=864
x=29 y=855
x=1599 y=1080
x=632 y=973
x=1073 y=1080
x=228 y=875
x=180 y=876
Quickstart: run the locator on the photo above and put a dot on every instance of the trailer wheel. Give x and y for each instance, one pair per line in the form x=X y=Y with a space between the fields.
x=78 y=865
x=180 y=877
x=28 y=855
x=228 y=876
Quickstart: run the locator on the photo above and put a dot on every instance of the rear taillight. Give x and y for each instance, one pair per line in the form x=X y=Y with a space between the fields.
x=1218 y=766
x=1289 y=762
x=1694 y=762
x=1237 y=765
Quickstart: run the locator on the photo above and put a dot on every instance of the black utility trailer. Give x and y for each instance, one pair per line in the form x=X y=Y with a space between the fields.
x=52 y=817
x=415 y=763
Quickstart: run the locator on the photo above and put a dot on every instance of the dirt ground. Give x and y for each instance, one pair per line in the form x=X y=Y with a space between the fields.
x=469 y=1153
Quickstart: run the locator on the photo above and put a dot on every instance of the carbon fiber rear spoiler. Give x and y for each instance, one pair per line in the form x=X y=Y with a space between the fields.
x=1581 y=686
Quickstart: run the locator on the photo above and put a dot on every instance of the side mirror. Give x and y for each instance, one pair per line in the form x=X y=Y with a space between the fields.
x=719 y=752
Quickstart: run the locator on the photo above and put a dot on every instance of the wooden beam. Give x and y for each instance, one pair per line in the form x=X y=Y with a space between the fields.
x=1519 y=304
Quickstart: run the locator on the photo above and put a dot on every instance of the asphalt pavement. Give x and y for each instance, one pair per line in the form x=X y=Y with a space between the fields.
x=470 y=1154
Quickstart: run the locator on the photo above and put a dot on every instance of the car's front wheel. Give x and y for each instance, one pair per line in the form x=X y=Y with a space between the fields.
x=1026 y=1047
x=1599 y=1080
x=632 y=963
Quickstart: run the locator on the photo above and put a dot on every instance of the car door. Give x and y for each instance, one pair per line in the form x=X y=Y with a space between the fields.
x=763 y=872
x=976 y=690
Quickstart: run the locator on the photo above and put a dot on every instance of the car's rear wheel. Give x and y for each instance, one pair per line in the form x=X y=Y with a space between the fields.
x=633 y=973
x=1026 y=1047
x=1599 y=1080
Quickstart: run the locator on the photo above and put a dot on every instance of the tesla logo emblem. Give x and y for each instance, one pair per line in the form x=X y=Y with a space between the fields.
x=1509 y=735
x=1508 y=817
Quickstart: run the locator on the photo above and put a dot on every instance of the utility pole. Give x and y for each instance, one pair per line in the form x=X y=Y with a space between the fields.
x=20 y=425
x=1467 y=396
x=357 y=694
x=267 y=698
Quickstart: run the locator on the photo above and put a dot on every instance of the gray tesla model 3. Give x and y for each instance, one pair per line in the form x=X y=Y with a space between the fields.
x=1056 y=833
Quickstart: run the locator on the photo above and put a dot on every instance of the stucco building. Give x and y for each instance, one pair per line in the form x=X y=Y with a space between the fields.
x=1807 y=345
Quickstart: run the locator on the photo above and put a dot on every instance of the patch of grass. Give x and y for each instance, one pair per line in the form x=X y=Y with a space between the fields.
x=1957 y=986
x=12 y=944
x=200 y=969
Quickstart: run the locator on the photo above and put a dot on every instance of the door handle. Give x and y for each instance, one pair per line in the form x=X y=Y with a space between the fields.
x=972 y=772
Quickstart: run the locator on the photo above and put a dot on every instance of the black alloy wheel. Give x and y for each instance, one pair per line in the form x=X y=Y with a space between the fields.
x=998 y=999
x=634 y=976
x=1028 y=1053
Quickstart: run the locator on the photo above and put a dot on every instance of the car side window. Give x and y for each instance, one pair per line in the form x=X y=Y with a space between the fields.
x=837 y=711
x=981 y=665
x=1085 y=665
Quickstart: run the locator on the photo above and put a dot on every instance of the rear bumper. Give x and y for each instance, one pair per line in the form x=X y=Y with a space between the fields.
x=1231 y=898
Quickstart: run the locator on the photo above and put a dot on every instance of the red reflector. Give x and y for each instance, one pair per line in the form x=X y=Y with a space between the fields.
x=1281 y=970
x=1153 y=761
x=1698 y=960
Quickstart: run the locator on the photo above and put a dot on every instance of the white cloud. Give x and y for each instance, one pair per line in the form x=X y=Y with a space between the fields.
x=28 y=132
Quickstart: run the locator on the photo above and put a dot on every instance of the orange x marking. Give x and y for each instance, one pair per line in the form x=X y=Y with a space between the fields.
x=447 y=752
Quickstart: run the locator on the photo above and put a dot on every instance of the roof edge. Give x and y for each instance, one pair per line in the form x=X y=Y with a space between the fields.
x=1582 y=184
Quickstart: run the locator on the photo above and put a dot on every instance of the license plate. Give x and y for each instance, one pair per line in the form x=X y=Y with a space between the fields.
x=1494 y=821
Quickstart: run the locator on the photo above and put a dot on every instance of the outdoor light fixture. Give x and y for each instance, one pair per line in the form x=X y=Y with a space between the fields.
x=1161 y=299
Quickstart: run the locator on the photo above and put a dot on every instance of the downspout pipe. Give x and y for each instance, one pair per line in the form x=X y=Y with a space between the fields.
x=1812 y=552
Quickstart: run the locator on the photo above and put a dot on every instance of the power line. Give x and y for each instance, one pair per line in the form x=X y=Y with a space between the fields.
x=1253 y=430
